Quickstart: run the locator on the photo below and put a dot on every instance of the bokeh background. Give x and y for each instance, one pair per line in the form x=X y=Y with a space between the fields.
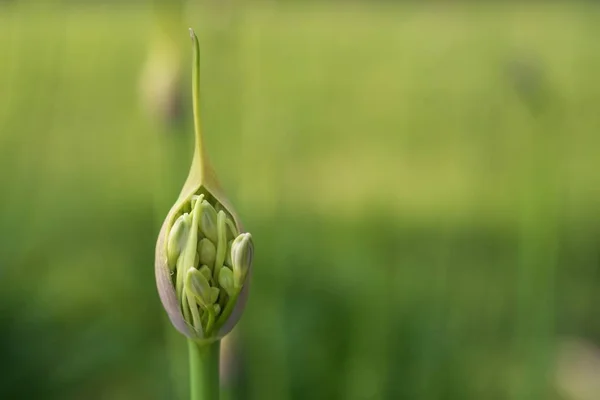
x=422 y=181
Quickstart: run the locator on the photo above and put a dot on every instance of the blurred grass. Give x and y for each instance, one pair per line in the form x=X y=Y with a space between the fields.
x=381 y=156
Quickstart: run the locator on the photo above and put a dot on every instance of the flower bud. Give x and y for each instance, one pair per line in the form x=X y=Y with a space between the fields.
x=205 y=270
x=242 y=252
x=201 y=274
x=207 y=252
x=226 y=280
x=208 y=225
x=198 y=286
x=177 y=238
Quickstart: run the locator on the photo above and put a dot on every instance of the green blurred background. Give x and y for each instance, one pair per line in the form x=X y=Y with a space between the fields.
x=422 y=182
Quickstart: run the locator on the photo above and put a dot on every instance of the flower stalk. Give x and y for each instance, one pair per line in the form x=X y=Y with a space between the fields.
x=204 y=370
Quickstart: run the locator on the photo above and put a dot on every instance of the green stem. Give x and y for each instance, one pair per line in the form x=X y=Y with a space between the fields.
x=204 y=370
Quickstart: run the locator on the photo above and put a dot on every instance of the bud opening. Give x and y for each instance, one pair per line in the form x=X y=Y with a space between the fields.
x=208 y=267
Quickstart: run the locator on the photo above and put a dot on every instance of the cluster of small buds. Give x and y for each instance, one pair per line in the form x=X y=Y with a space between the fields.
x=208 y=260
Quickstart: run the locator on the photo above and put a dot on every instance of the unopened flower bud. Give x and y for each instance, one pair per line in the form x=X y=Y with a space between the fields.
x=205 y=270
x=208 y=224
x=207 y=252
x=242 y=252
x=197 y=286
x=226 y=280
x=177 y=238
x=201 y=274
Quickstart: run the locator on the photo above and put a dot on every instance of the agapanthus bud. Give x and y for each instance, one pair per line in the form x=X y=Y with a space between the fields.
x=207 y=252
x=205 y=269
x=202 y=295
x=177 y=238
x=197 y=285
x=242 y=252
x=208 y=225
x=226 y=280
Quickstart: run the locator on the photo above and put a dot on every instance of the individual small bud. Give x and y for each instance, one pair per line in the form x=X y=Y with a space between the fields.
x=226 y=281
x=205 y=270
x=242 y=252
x=208 y=223
x=217 y=309
x=207 y=252
x=228 y=254
x=177 y=238
x=197 y=285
